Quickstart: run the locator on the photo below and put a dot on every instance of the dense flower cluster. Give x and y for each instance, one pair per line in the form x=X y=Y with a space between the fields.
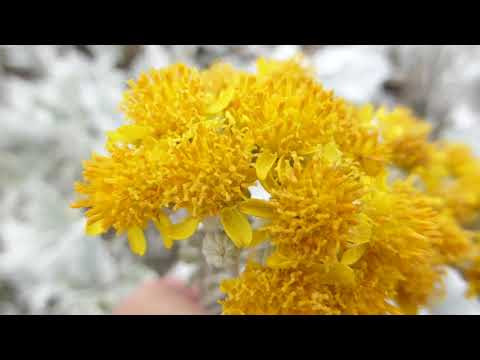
x=344 y=236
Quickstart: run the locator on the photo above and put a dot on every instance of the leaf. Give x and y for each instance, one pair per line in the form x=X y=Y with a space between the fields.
x=236 y=226
x=257 y=207
x=264 y=163
x=137 y=241
x=352 y=255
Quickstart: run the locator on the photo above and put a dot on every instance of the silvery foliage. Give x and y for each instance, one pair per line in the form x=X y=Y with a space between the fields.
x=218 y=250
x=50 y=123
x=56 y=102
x=354 y=72
x=441 y=83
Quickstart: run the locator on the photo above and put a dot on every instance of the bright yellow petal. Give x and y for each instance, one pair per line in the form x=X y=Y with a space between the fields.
x=163 y=224
x=352 y=255
x=237 y=227
x=262 y=66
x=95 y=229
x=340 y=274
x=222 y=102
x=285 y=171
x=128 y=133
x=137 y=241
x=167 y=241
x=332 y=153
x=183 y=230
x=159 y=151
x=366 y=113
x=269 y=183
x=372 y=166
x=362 y=232
x=257 y=207
x=264 y=163
x=258 y=236
x=280 y=261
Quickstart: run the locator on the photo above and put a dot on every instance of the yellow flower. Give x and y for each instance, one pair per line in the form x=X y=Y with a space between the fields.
x=299 y=291
x=168 y=100
x=472 y=274
x=391 y=245
x=286 y=112
x=453 y=174
x=122 y=190
x=314 y=206
x=405 y=237
x=209 y=171
x=358 y=137
x=406 y=136
x=294 y=67
x=338 y=236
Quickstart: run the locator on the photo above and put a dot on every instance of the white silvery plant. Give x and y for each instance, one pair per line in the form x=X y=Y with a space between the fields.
x=218 y=250
x=50 y=123
x=356 y=73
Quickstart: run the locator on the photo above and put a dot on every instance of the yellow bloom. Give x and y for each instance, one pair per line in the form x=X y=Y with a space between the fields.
x=168 y=100
x=261 y=290
x=120 y=191
x=208 y=171
x=314 y=206
x=339 y=237
x=453 y=174
x=406 y=136
x=472 y=274
x=359 y=138
x=405 y=237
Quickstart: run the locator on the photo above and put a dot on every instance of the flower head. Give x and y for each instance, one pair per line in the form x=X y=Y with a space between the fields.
x=335 y=235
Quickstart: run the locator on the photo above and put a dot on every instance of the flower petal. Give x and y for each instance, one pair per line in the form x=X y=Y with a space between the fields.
x=160 y=151
x=264 y=163
x=340 y=274
x=257 y=207
x=237 y=227
x=162 y=223
x=183 y=230
x=222 y=102
x=95 y=229
x=352 y=255
x=331 y=153
x=362 y=232
x=269 y=183
x=280 y=261
x=137 y=241
x=167 y=241
x=128 y=133
x=258 y=236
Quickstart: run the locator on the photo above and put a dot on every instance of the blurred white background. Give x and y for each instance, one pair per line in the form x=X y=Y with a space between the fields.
x=56 y=102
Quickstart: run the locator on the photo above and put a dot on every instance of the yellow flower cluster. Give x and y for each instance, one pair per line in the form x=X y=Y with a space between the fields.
x=343 y=237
